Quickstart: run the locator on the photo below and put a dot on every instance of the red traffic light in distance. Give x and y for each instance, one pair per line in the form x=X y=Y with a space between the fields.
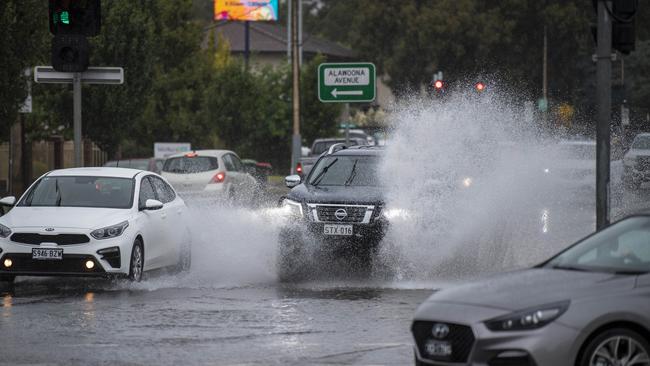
x=479 y=86
x=438 y=84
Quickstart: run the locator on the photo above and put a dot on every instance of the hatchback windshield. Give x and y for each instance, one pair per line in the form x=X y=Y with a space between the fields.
x=345 y=171
x=197 y=164
x=103 y=192
x=641 y=142
x=623 y=248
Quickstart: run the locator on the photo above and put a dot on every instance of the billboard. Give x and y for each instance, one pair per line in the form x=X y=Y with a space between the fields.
x=164 y=149
x=252 y=10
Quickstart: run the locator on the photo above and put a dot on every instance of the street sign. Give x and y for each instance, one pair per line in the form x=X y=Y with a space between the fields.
x=346 y=82
x=94 y=75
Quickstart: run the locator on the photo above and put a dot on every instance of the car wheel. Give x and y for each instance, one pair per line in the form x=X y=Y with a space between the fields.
x=137 y=262
x=9 y=279
x=185 y=260
x=618 y=346
x=290 y=266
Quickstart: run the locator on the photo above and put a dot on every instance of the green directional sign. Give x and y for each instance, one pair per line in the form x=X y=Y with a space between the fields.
x=347 y=82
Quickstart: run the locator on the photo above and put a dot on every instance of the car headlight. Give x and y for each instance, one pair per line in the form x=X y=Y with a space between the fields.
x=467 y=182
x=532 y=318
x=110 y=231
x=4 y=231
x=292 y=208
x=395 y=213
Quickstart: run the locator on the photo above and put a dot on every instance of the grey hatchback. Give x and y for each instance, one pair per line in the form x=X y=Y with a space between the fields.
x=587 y=306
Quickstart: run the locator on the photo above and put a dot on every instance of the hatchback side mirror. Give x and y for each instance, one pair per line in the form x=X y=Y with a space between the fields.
x=8 y=201
x=153 y=205
x=292 y=180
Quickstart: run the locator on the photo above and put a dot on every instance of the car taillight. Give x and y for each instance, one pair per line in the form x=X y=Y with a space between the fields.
x=299 y=168
x=218 y=178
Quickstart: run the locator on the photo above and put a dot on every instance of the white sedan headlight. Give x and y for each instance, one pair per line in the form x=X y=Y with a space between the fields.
x=110 y=231
x=292 y=208
x=4 y=231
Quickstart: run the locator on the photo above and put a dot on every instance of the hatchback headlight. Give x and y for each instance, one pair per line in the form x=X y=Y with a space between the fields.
x=292 y=208
x=532 y=318
x=110 y=231
x=4 y=231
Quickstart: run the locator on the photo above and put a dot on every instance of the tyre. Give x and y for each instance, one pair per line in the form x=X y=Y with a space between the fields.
x=7 y=279
x=617 y=346
x=137 y=262
x=185 y=260
x=291 y=261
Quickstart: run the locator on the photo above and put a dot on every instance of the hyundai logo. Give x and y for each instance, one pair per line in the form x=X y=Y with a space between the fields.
x=49 y=229
x=440 y=331
x=341 y=214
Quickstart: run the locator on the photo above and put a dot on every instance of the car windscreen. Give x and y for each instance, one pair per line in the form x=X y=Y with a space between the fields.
x=345 y=170
x=186 y=165
x=322 y=146
x=641 y=142
x=81 y=191
x=623 y=247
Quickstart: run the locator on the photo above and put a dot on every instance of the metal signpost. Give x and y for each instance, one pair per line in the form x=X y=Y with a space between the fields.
x=94 y=75
x=346 y=83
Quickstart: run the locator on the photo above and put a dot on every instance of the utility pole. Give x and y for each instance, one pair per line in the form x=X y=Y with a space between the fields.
x=604 y=89
x=247 y=43
x=296 y=143
x=76 y=87
x=545 y=74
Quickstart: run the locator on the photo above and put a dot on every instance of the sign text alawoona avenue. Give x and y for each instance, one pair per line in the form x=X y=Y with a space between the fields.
x=346 y=82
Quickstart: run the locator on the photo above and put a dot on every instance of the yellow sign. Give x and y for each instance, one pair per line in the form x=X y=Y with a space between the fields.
x=250 y=10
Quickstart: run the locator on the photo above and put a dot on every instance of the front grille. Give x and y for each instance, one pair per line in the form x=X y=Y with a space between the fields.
x=354 y=214
x=460 y=337
x=643 y=162
x=60 y=239
x=70 y=264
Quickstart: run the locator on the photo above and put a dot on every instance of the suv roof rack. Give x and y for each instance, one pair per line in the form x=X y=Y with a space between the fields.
x=336 y=147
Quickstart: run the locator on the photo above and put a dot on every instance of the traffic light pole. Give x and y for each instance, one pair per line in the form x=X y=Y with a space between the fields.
x=604 y=86
x=296 y=143
x=76 y=87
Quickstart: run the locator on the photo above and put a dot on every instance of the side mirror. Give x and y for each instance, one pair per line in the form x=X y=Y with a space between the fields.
x=292 y=180
x=8 y=201
x=153 y=205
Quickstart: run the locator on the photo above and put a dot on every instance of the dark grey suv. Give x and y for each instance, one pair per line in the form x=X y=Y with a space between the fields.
x=336 y=211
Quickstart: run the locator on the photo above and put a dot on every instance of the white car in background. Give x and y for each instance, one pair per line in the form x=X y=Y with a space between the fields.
x=94 y=222
x=210 y=173
x=571 y=165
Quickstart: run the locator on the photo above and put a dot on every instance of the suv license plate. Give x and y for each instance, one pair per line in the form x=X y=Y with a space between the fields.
x=47 y=254
x=438 y=348
x=337 y=230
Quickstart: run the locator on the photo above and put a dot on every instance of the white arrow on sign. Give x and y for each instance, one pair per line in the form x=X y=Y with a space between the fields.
x=336 y=93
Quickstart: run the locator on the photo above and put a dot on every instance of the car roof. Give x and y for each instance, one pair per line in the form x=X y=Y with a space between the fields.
x=578 y=142
x=341 y=139
x=643 y=134
x=215 y=153
x=96 y=172
x=363 y=150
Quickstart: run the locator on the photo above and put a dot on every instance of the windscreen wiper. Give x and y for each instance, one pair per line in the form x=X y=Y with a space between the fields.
x=320 y=175
x=570 y=268
x=353 y=173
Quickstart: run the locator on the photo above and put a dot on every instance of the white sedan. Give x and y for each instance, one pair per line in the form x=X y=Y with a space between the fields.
x=110 y=222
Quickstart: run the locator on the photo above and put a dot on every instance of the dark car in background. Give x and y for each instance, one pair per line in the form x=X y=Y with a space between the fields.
x=151 y=164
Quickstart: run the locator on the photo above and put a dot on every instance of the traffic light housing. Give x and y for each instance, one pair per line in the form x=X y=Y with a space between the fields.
x=75 y=17
x=623 y=25
x=71 y=21
x=70 y=53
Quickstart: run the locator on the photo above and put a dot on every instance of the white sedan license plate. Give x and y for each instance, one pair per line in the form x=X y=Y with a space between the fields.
x=338 y=230
x=438 y=348
x=47 y=254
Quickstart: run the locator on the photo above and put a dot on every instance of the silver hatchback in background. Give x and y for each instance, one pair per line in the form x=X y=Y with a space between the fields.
x=587 y=306
x=209 y=174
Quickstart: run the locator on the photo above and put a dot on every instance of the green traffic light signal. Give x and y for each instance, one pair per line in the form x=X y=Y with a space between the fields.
x=65 y=17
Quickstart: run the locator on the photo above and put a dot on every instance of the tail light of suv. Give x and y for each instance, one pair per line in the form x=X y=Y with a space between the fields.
x=218 y=178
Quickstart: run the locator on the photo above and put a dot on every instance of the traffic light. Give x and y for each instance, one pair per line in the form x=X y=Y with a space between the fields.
x=623 y=27
x=438 y=85
x=82 y=17
x=480 y=87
